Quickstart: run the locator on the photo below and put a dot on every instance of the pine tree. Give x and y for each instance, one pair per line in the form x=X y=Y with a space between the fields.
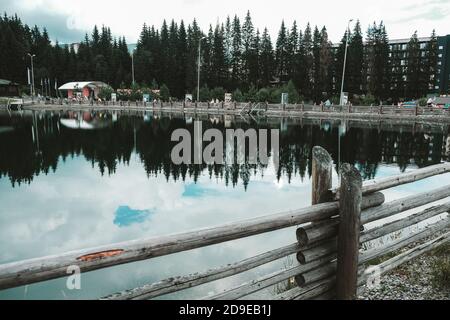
x=316 y=66
x=355 y=61
x=306 y=67
x=431 y=63
x=292 y=52
x=281 y=54
x=254 y=75
x=236 y=59
x=266 y=59
x=413 y=68
x=326 y=65
x=218 y=61
x=247 y=42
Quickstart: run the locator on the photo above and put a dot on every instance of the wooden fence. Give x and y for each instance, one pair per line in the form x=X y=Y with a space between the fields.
x=329 y=238
x=240 y=107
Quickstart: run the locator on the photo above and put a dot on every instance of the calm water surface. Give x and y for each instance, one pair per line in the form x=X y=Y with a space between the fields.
x=75 y=180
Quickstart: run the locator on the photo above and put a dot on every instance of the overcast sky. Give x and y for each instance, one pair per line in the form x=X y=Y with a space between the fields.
x=67 y=21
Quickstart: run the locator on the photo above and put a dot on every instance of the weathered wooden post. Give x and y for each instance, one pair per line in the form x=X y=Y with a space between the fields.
x=321 y=182
x=321 y=177
x=350 y=197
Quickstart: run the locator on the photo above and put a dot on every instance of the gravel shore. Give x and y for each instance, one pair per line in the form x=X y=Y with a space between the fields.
x=410 y=281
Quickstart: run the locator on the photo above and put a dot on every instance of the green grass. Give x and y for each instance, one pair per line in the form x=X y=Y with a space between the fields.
x=440 y=269
x=382 y=259
x=440 y=273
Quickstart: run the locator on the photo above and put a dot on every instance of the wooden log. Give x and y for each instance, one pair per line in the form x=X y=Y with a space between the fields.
x=428 y=231
x=314 y=253
x=310 y=234
x=326 y=229
x=366 y=256
x=307 y=292
x=316 y=232
x=321 y=177
x=39 y=269
x=265 y=281
x=174 y=284
x=348 y=233
x=383 y=268
x=326 y=295
x=390 y=227
x=316 y=274
x=404 y=204
x=408 y=255
x=404 y=178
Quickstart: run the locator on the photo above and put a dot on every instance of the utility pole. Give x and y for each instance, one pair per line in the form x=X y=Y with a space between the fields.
x=132 y=66
x=32 y=75
x=198 y=68
x=345 y=61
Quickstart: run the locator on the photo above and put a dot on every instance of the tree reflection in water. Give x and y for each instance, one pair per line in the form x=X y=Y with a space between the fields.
x=40 y=141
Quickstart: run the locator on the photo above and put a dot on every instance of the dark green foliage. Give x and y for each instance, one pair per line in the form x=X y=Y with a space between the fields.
x=232 y=56
x=164 y=93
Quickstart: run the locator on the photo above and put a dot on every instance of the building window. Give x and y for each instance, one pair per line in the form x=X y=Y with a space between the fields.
x=440 y=55
x=441 y=47
x=439 y=63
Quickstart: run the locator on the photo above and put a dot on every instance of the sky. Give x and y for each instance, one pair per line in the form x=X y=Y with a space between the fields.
x=68 y=21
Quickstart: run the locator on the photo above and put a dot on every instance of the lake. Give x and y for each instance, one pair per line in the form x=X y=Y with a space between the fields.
x=71 y=180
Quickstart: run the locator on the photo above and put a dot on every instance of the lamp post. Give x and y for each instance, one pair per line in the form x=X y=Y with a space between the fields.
x=132 y=66
x=342 y=99
x=32 y=74
x=345 y=61
x=198 y=68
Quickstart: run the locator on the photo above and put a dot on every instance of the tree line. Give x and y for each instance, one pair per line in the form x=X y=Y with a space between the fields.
x=235 y=57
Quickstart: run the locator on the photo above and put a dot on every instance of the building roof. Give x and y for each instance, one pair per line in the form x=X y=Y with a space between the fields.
x=81 y=84
x=4 y=82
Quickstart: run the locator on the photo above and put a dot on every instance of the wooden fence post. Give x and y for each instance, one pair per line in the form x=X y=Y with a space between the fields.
x=321 y=177
x=350 y=198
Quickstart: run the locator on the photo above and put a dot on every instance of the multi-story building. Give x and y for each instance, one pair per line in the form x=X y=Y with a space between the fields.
x=438 y=83
x=443 y=65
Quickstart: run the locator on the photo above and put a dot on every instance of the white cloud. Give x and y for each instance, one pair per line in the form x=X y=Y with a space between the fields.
x=127 y=17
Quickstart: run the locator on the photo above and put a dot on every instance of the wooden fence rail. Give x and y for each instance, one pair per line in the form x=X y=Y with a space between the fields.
x=330 y=236
x=247 y=107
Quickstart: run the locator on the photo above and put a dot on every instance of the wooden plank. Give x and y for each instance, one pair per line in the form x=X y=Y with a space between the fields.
x=39 y=269
x=174 y=284
x=348 y=232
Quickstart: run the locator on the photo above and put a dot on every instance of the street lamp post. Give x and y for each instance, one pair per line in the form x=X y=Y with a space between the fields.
x=345 y=61
x=32 y=74
x=198 y=68
x=132 y=66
